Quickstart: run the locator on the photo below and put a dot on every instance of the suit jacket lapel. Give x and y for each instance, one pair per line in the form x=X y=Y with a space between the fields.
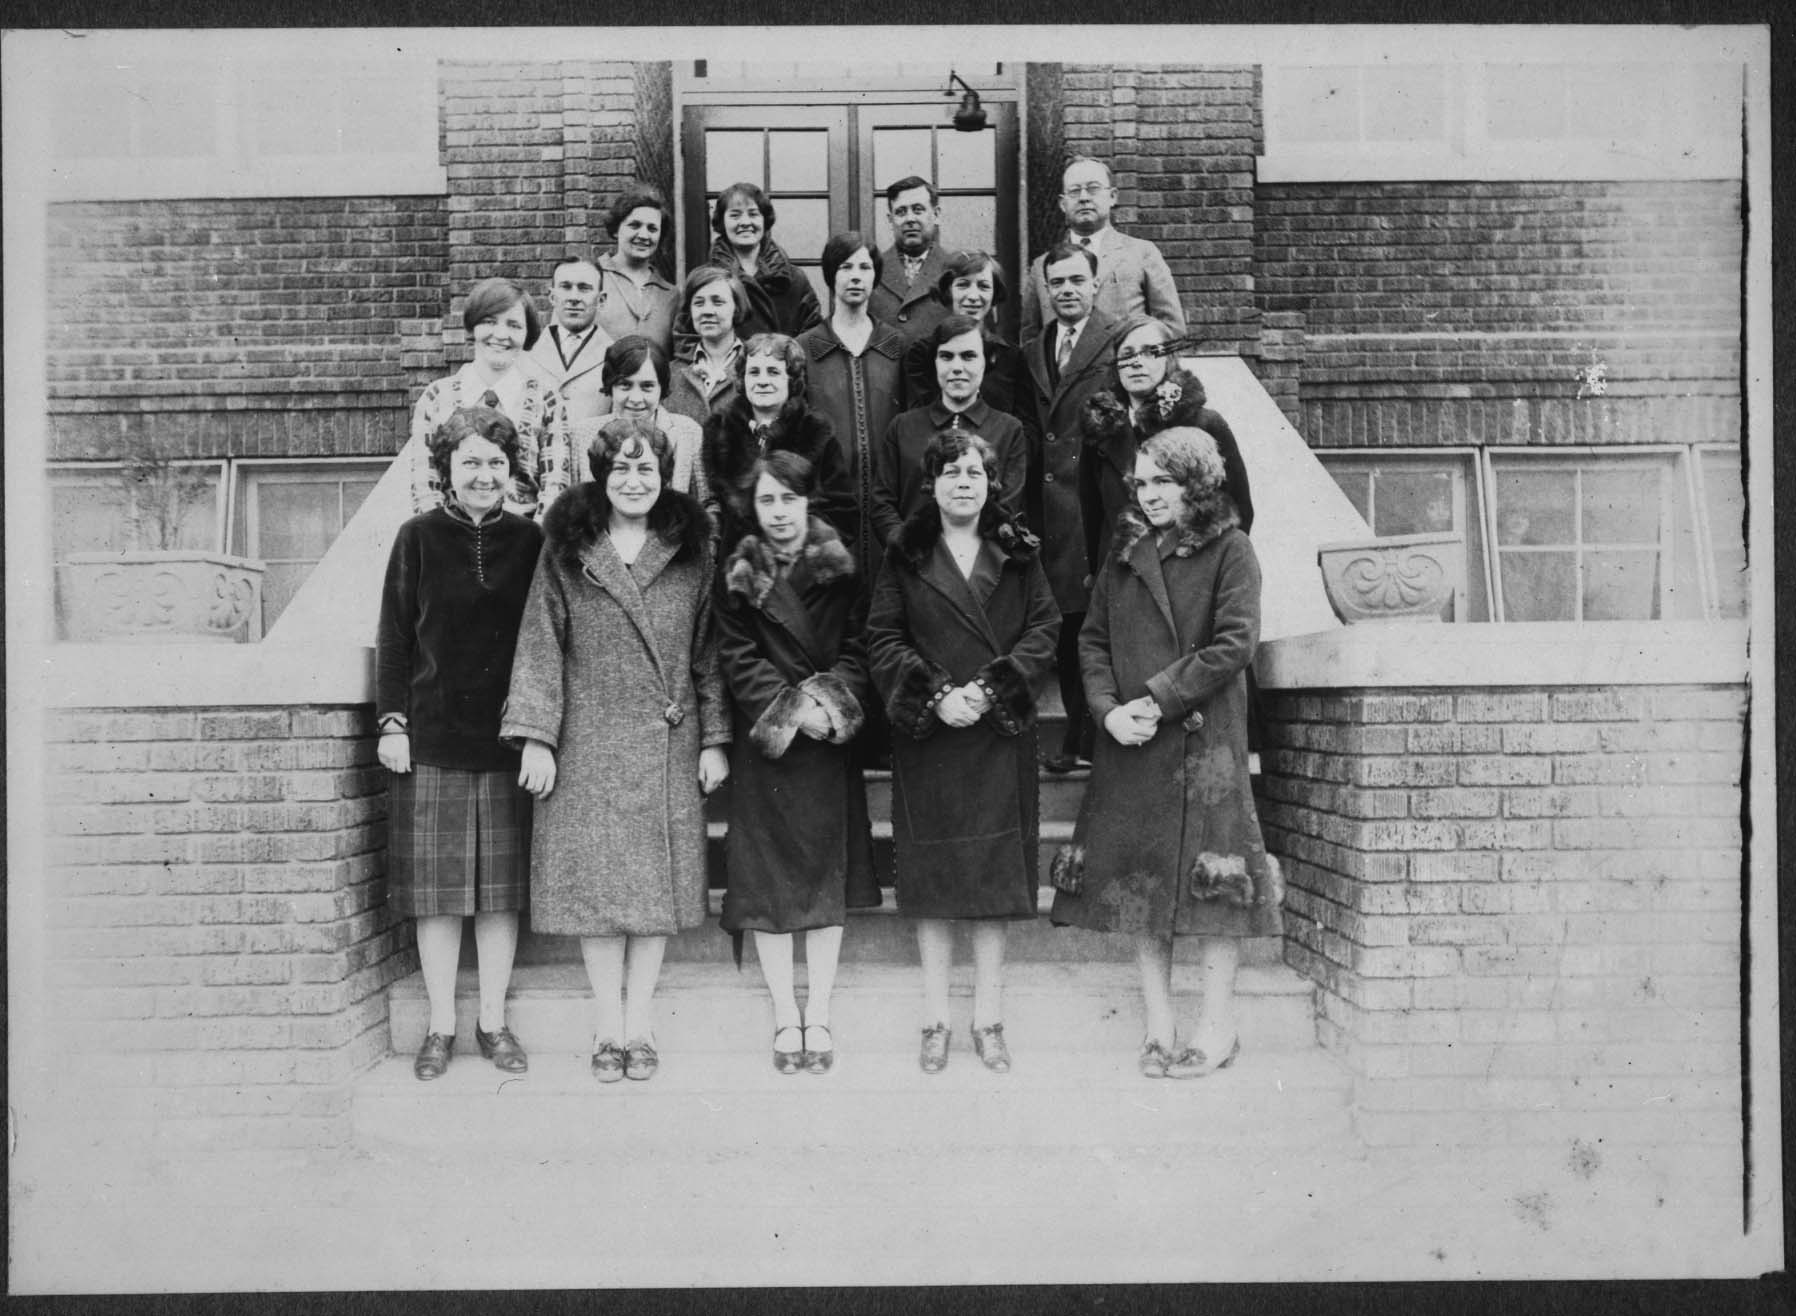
x=1036 y=356
x=941 y=575
x=1144 y=558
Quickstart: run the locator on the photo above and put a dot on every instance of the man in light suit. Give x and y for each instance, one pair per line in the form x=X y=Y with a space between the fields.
x=568 y=355
x=905 y=296
x=1068 y=362
x=1132 y=275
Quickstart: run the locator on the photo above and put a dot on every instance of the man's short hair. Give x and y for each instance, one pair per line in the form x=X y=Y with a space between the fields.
x=909 y=184
x=1109 y=178
x=1066 y=251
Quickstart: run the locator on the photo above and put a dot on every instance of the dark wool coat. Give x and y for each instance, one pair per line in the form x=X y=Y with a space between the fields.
x=686 y=394
x=898 y=485
x=1055 y=510
x=859 y=396
x=1112 y=439
x=730 y=449
x=1168 y=839
x=911 y=308
x=800 y=849
x=449 y=614
x=616 y=671
x=964 y=807
x=1006 y=386
x=780 y=297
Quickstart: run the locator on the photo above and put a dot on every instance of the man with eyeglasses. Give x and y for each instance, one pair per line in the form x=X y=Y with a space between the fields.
x=905 y=296
x=1132 y=275
x=569 y=353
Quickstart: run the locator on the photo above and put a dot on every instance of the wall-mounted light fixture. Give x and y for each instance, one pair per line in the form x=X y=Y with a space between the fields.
x=969 y=118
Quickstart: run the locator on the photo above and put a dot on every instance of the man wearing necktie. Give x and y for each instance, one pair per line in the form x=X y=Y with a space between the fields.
x=1068 y=362
x=1132 y=276
x=568 y=355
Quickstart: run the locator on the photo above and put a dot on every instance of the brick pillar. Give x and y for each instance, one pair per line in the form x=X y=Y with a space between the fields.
x=1522 y=907
x=219 y=947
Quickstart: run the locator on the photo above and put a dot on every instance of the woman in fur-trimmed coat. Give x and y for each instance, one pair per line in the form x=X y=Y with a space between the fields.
x=1168 y=841
x=1151 y=393
x=961 y=632
x=790 y=621
x=617 y=701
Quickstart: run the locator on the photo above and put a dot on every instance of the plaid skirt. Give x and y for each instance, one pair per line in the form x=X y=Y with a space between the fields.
x=457 y=842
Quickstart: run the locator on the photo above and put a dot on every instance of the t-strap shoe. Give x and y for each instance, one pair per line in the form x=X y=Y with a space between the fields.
x=989 y=1043
x=934 y=1055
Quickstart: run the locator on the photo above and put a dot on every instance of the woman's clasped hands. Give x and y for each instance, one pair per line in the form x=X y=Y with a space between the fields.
x=1133 y=724
x=963 y=705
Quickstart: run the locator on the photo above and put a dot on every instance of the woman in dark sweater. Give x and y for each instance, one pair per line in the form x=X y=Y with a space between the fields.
x=459 y=825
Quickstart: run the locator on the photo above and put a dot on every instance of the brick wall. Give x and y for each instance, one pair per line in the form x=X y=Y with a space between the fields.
x=1180 y=140
x=1474 y=312
x=218 y=946
x=1522 y=907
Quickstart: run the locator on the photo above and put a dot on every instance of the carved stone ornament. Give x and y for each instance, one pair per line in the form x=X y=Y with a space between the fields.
x=1393 y=578
x=158 y=596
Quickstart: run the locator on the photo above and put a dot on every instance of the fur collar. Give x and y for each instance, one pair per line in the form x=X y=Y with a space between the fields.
x=1211 y=517
x=1178 y=400
x=752 y=571
x=920 y=534
x=730 y=448
x=773 y=268
x=577 y=519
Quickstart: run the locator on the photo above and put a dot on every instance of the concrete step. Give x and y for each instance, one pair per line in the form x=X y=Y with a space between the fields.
x=876 y=1008
x=874 y=1100
x=884 y=936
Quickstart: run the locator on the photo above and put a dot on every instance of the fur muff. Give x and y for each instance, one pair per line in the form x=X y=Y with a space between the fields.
x=1012 y=700
x=921 y=532
x=1204 y=519
x=730 y=446
x=1230 y=879
x=577 y=519
x=752 y=570
x=844 y=711
x=1067 y=872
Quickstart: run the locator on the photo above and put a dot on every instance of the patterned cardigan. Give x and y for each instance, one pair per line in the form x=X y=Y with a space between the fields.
x=542 y=449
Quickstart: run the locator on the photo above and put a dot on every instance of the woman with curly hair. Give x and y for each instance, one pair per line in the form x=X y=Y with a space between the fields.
x=770 y=413
x=458 y=821
x=961 y=632
x=1151 y=393
x=1168 y=841
x=618 y=704
x=790 y=622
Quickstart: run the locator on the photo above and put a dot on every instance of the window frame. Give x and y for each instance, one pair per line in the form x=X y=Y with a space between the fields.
x=243 y=515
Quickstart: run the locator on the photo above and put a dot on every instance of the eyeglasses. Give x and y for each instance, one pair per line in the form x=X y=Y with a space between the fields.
x=1084 y=189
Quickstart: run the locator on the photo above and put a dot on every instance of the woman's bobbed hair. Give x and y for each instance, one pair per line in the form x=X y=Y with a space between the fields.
x=625 y=357
x=1189 y=455
x=625 y=436
x=965 y=264
x=747 y=192
x=782 y=348
x=788 y=469
x=480 y=420
x=490 y=297
x=637 y=196
x=703 y=276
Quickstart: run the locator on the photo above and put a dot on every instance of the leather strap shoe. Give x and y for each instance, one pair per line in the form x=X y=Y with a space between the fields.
x=1193 y=1063
x=433 y=1056
x=640 y=1060
x=934 y=1056
x=988 y=1042
x=608 y=1063
x=503 y=1049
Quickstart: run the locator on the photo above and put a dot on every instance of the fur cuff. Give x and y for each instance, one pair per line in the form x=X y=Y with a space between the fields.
x=911 y=707
x=1067 y=872
x=839 y=705
x=774 y=730
x=1012 y=700
x=1229 y=880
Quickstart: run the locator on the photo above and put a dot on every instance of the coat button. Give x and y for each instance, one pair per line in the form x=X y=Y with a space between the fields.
x=1194 y=721
x=1048 y=478
x=674 y=715
x=1050 y=438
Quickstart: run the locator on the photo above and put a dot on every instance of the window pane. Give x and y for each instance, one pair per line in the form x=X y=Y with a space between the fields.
x=970 y=222
x=1413 y=502
x=899 y=153
x=1323 y=106
x=799 y=161
x=1621 y=586
x=966 y=159
x=1405 y=103
x=1726 y=507
x=296 y=520
x=1535 y=507
x=815 y=274
x=802 y=228
x=1621 y=506
x=1525 y=100
x=733 y=157
x=1539 y=586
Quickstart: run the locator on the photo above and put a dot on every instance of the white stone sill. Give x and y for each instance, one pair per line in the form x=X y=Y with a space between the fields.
x=1399 y=655
x=1371 y=656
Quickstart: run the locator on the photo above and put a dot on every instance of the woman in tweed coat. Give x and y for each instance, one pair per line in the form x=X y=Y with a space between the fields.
x=616 y=696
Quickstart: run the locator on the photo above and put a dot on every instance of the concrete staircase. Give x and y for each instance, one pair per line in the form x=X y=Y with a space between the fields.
x=1072 y=1017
